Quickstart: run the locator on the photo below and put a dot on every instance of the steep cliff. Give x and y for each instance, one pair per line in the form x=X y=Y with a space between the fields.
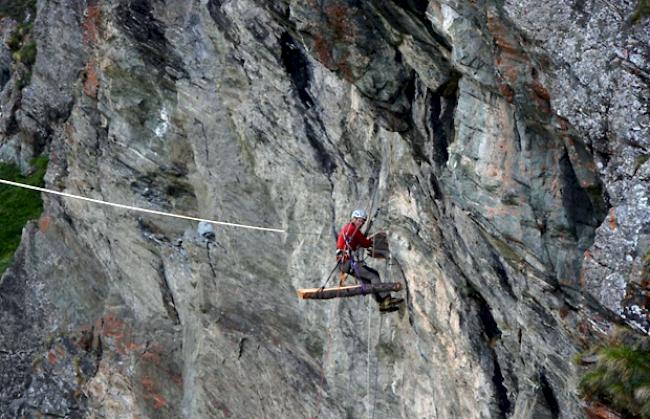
x=502 y=144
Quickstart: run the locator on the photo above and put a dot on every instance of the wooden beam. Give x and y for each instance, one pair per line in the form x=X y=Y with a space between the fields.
x=350 y=291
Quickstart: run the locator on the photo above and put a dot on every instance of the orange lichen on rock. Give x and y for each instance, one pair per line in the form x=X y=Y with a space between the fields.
x=54 y=354
x=90 y=24
x=111 y=327
x=44 y=223
x=510 y=59
x=151 y=394
x=91 y=81
x=599 y=411
x=322 y=48
x=612 y=219
x=540 y=90
x=337 y=16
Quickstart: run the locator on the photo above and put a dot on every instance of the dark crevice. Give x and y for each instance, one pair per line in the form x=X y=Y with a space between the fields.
x=167 y=296
x=490 y=326
x=501 y=273
x=582 y=217
x=449 y=90
x=297 y=66
x=148 y=34
x=440 y=140
x=410 y=88
x=210 y=261
x=501 y=392
x=12 y=124
x=549 y=396
x=416 y=6
x=435 y=185
x=5 y=76
x=575 y=199
x=320 y=154
x=417 y=136
x=442 y=105
x=219 y=18
x=492 y=333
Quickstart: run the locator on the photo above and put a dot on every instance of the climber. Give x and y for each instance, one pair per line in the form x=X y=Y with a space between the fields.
x=349 y=241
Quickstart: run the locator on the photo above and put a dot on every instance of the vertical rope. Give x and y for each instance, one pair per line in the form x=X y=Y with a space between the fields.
x=374 y=397
x=368 y=361
x=325 y=358
x=388 y=277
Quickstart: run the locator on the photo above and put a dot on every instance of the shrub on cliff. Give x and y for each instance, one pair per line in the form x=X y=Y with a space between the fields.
x=621 y=377
x=642 y=10
x=17 y=206
x=18 y=9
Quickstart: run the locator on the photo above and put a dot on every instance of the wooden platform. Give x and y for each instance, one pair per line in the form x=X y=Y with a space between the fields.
x=350 y=291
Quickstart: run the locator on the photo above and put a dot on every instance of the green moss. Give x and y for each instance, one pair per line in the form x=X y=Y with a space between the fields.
x=17 y=37
x=27 y=54
x=621 y=376
x=25 y=80
x=506 y=251
x=18 y=206
x=18 y=9
x=14 y=41
x=640 y=161
x=23 y=48
x=642 y=10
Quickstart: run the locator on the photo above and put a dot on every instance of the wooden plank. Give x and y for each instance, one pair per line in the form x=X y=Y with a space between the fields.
x=349 y=291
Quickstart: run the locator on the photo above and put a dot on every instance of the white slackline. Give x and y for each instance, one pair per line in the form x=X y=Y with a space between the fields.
x=128 y=207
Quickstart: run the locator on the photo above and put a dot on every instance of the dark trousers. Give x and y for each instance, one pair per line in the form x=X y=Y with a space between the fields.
x=365 y=274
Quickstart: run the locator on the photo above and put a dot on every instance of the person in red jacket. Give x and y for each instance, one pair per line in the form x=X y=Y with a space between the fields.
x=350 y=239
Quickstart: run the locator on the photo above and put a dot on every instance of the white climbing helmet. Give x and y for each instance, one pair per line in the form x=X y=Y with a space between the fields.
x=359 y=213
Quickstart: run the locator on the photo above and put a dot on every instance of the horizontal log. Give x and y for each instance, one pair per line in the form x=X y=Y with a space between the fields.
x=350 y=291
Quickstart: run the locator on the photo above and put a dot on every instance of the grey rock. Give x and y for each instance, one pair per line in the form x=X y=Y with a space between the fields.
x=516 y=211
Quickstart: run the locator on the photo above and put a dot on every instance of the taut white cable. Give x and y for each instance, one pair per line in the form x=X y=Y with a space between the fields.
x=128 y=207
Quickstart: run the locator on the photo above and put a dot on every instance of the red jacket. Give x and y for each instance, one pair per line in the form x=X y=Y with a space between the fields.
x=354 y=237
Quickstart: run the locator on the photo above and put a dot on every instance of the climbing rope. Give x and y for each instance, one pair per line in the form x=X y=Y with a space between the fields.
x=132 y=208
x=374 y=385
x=325 y=359
x=389 y=278
x=368 y=361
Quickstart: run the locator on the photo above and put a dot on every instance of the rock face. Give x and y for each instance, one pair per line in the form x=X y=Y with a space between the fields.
x=503 y=145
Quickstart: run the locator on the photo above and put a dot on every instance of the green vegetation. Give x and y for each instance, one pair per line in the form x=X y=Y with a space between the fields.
x=18 y=9
x=20 y=41
x=621 y=377
x=17 y=37
x=17 y=206
x=25 y=80
x=642 y=10
x=26 y=54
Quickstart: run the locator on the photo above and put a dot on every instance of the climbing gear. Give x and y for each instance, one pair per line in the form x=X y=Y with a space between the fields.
x=379 y=249
x=390 y=303
x=360 y=213
x=390 y=309
x=322 y=287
